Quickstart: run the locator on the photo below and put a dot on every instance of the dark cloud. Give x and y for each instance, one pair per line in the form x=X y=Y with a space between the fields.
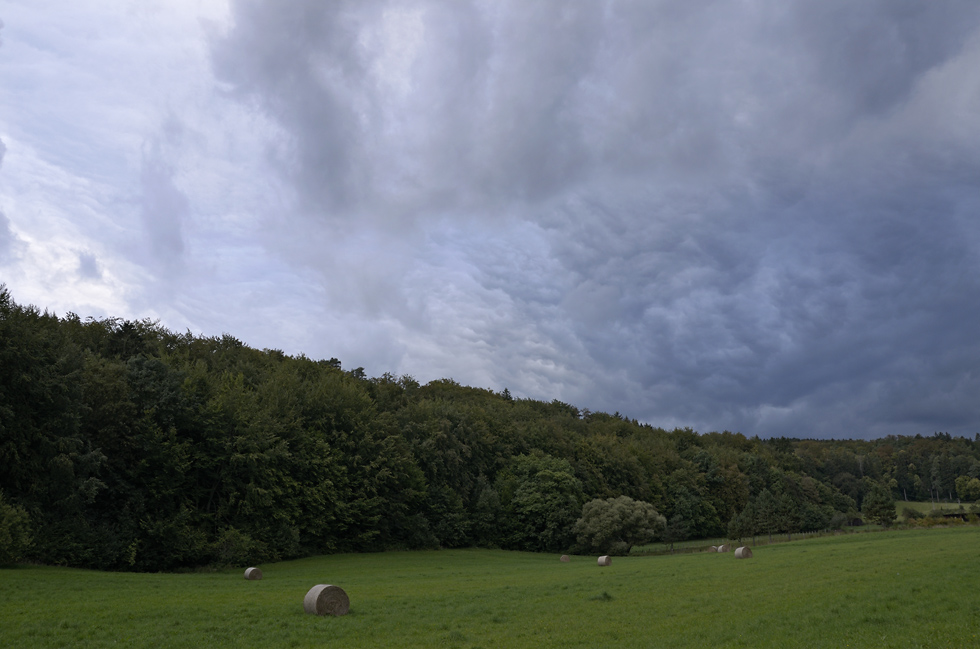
x=752 y=216
x=88 y=266
x=872 y=54
x=164 y=207
x=428 y=107
x=7 y=238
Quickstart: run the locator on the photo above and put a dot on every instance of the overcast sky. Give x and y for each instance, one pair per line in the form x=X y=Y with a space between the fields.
x=753 y=215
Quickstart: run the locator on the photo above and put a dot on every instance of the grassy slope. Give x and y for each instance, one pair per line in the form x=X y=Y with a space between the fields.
x=891 y=589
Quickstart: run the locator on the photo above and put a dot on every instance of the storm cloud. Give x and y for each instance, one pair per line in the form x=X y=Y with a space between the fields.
x=759 y=216
x=755 y=216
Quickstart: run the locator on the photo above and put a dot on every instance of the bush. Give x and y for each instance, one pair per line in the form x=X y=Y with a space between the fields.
x=15 y=532
x=234 y=547
x=838 y=521
x=910 y=514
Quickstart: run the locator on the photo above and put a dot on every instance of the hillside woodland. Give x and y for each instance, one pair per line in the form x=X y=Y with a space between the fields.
x=125 y=446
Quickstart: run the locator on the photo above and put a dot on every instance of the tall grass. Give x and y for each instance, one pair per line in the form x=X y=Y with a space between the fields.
x=890 y=589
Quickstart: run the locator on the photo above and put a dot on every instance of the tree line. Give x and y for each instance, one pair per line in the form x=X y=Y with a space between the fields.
x=127 y=446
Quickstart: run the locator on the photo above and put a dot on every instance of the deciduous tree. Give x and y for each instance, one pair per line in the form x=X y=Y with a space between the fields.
x=615 y=525
x=879 y=506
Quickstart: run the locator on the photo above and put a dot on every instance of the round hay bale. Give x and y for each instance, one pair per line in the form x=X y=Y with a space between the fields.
x=565 y=558
x=743 y=552
x=724 y=548
x=713 y=548
x=324 y=599
x=253 y=573
x=605 y=560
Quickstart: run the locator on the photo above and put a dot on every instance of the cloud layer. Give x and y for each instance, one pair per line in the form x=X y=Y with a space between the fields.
x=756 y=216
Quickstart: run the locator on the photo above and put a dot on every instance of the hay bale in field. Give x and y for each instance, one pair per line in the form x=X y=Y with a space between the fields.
x=565 y=558
x=743 y=552
x=724 y=548
x=253 y=574
x=324 y=599
x=605 y=560
x=713 y=548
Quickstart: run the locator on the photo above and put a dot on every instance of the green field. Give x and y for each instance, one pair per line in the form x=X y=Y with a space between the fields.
x=927 y=507
x=882 y=589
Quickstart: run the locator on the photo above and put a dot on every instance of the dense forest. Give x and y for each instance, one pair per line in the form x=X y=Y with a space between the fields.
x=126 y=446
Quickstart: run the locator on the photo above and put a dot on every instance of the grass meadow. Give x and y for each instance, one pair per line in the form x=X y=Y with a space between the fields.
x=911 y=588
